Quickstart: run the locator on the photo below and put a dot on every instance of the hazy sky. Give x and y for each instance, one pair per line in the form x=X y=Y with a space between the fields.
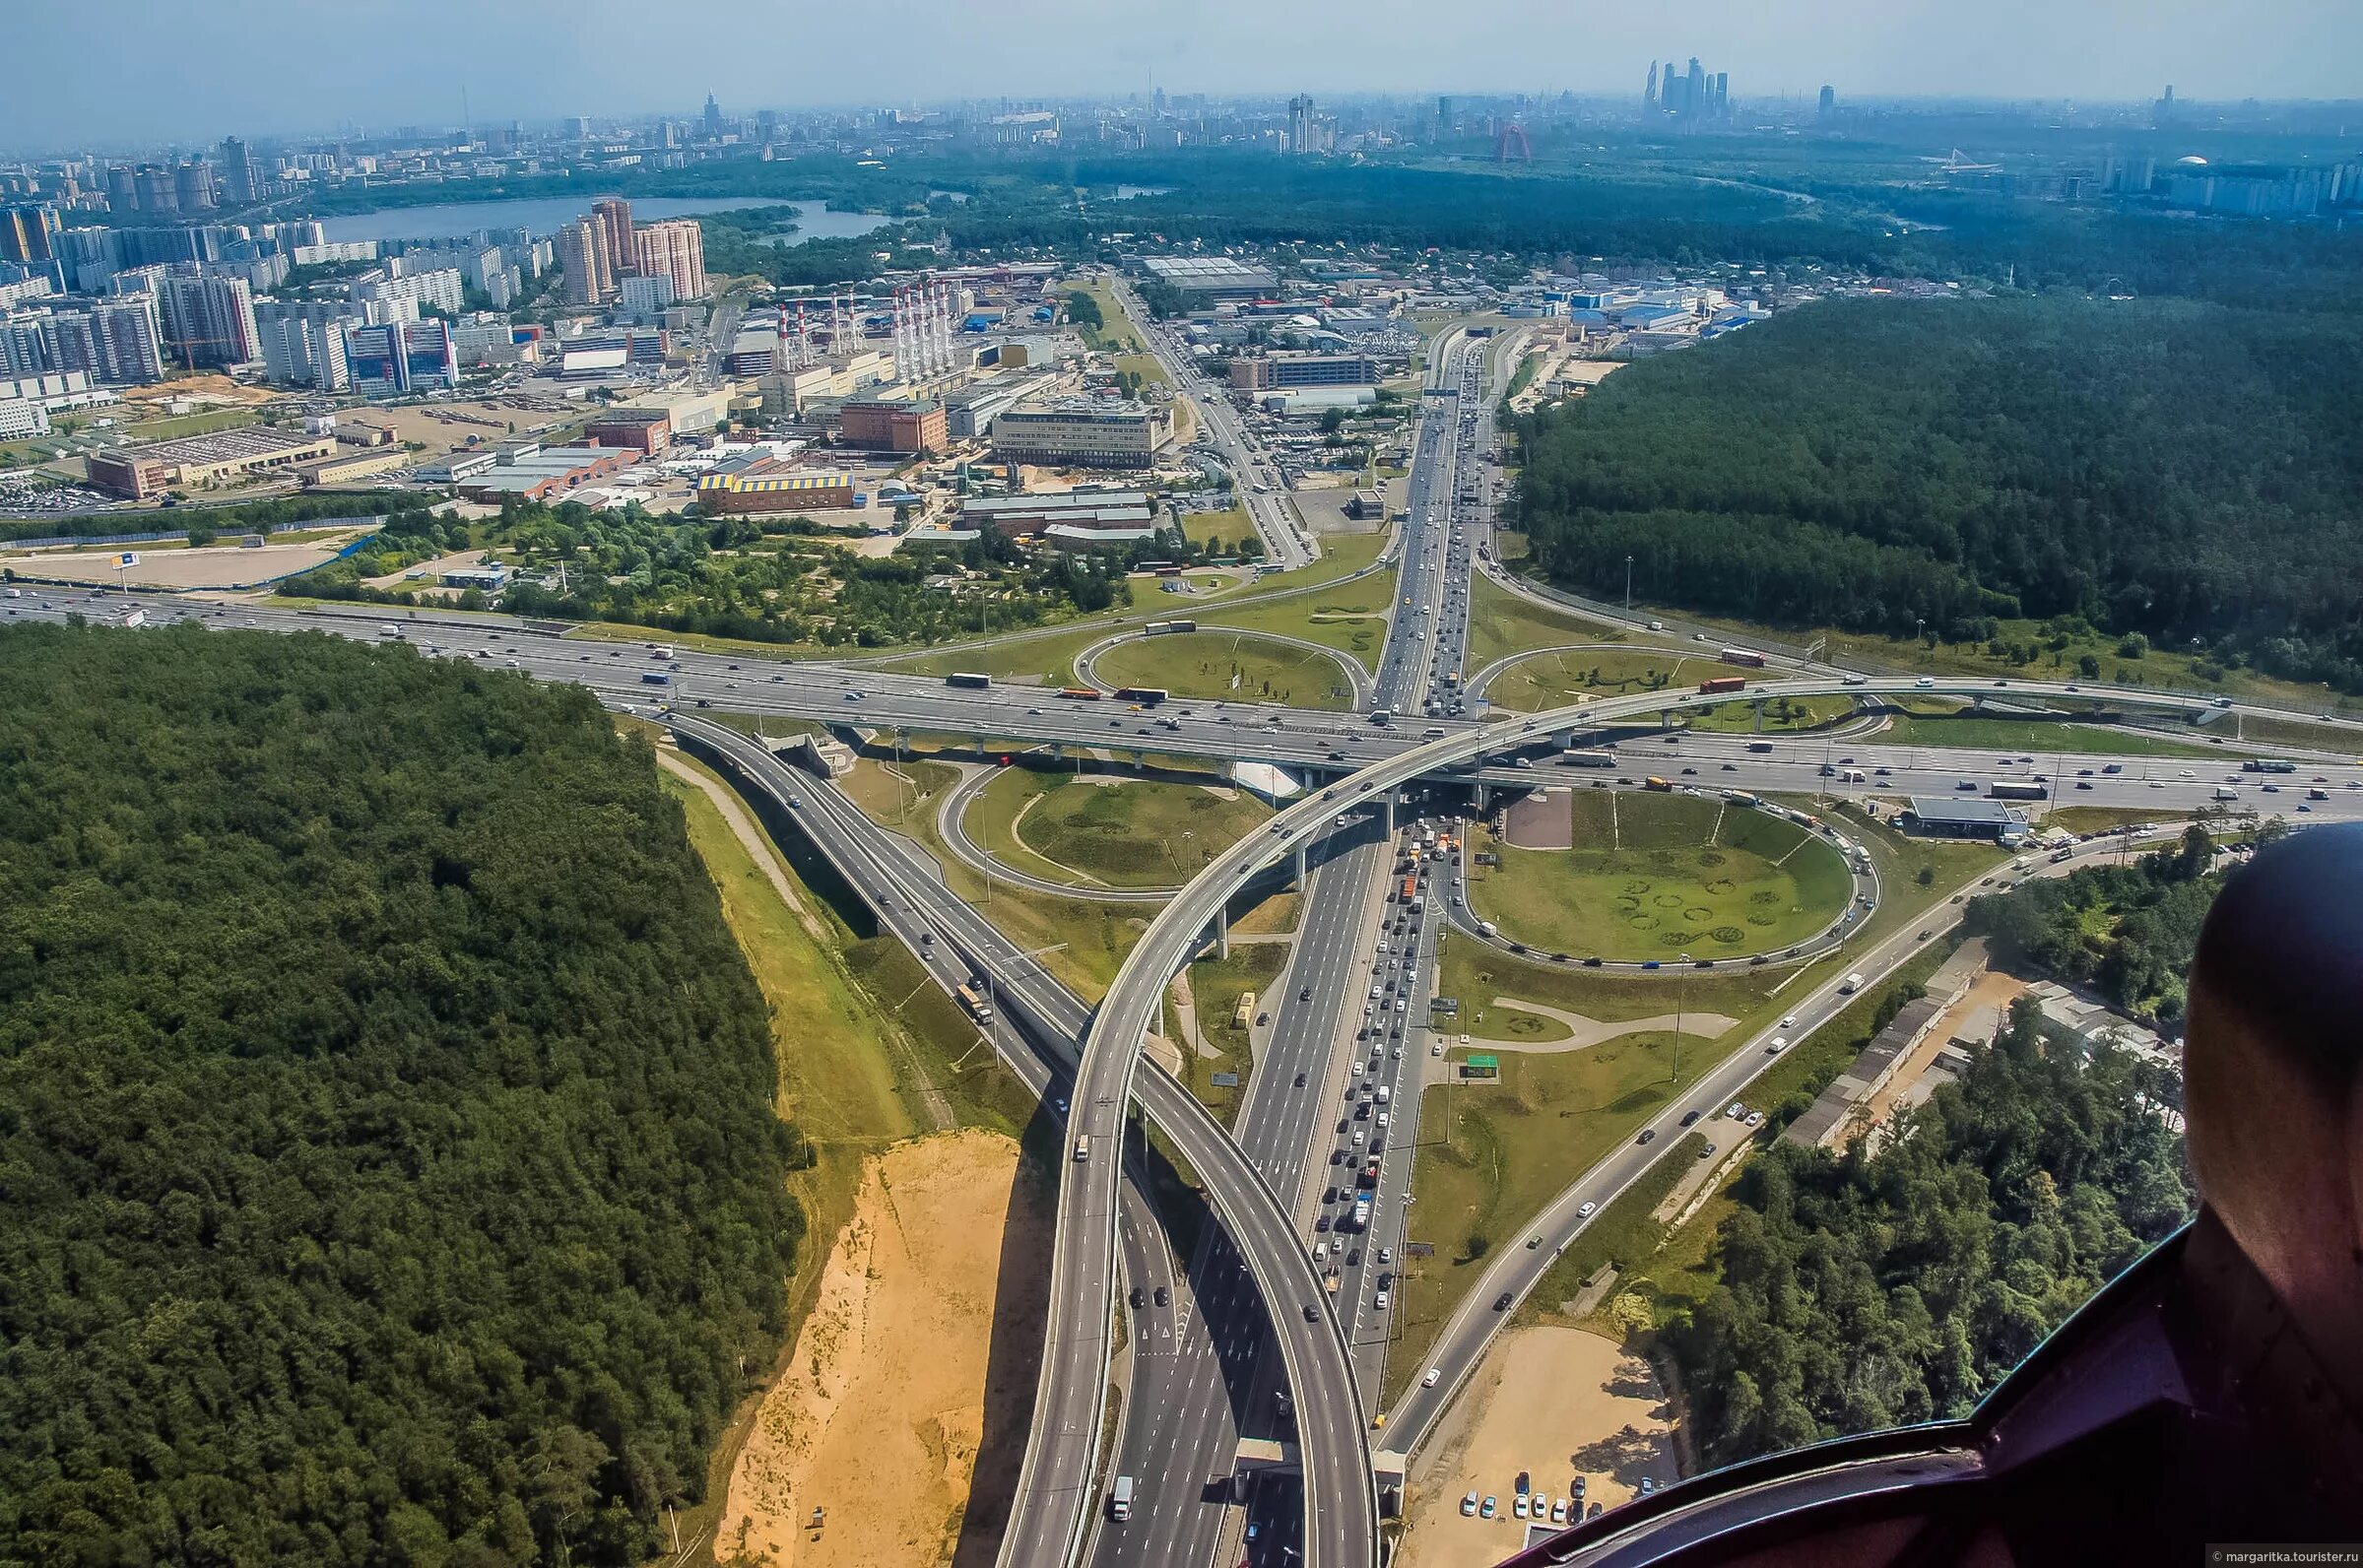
x=103 y=72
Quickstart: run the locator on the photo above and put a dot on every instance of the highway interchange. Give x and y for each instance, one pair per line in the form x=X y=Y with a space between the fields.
x=1208 y=1369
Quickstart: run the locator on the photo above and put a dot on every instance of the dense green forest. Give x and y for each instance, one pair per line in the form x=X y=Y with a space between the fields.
x=1860 y=1292
x=2125 y=931
x=2181 y=469
x=386 y=1129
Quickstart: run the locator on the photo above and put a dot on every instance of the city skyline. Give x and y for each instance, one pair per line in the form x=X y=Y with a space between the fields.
x=196 y=79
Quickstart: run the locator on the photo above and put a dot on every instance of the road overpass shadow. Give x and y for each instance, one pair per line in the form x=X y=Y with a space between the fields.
x=1013 y=1363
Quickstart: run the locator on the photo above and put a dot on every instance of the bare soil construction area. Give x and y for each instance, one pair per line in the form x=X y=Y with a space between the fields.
x=1556 y=1404
x=930 y=1317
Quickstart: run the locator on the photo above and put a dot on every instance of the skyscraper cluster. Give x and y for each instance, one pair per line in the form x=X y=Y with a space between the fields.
x=1689 y=98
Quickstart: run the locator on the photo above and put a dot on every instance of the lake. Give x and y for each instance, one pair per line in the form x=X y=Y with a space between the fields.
x=547 y=215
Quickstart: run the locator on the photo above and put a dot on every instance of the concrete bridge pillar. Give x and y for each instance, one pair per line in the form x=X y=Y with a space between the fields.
x=1140 y=760
x=1222 y=932
x=979 y=741
x=1664 y=718
x=1758 y=705
x=1298 y=869
x=1388 y=807
x=1479 y=793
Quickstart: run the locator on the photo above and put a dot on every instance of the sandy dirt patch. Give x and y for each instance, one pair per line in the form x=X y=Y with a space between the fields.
x=1556 y=1404
x=213 y=566
x=883 y=1413
x=1539 y=819
x=1981 y=1009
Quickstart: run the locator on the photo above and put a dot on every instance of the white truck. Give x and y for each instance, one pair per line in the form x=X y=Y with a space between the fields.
x=1850 y=985
x=1120 y=1499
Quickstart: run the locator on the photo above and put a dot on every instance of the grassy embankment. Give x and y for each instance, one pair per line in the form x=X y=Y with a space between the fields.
x=1226 y=665
x=1655 y=876
x=1492 y=1154
x=862 y=1038
x=1080 y=942
x=1088 y=831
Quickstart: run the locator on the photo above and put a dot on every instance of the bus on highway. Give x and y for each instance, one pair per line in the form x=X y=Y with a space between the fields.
x=1574 y=758
x=2011 y=789
x=1723 y=682
x=1147 y=696
x=1754 y=661
x=2265 y=764
x=968 y=678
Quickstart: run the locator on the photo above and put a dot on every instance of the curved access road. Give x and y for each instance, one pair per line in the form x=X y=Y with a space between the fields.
x=1055 y=1493
x=1357 y=678
x=1861 y=902
x=1492 y=1302
x=952 y=826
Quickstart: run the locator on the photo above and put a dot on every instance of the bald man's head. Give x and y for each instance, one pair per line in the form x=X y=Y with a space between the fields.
x=2273 y=1081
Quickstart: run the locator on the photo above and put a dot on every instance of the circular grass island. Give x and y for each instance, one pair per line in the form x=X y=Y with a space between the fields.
x=1223 y=666
x=1103 y=830
x=1654 y=875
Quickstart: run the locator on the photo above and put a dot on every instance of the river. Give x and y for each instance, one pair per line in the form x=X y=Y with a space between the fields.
x=547 y=214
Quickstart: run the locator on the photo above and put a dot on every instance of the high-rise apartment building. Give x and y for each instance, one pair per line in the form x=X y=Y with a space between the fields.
x=675 y=250
x=438 y=288
x=119 y=342
x=122 y=196
x=1829 y=101
x=24 y=345
x=713 y=119
x=612 y=214
x=401 y=356
x=209 y=319
x=238 y=186
x=154 y=189
x=1300 y=124
x=304 y=342
x=582 y=255
x=193 y=185
x=28 y=233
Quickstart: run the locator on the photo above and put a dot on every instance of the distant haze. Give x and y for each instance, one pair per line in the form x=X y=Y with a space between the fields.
x=114 y=72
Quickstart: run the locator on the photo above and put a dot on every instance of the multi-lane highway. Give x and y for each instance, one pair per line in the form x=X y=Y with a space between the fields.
x=1492 y=1300
x=1260 y=487
x=1198 y=1378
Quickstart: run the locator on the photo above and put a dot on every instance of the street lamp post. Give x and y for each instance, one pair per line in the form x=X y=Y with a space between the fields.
x=1628 y=585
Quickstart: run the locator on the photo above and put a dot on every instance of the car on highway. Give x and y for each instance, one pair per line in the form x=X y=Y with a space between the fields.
x=1164 y=1297
x=1501 y=1303
x=1140 y=1298
x=1585 y=1212
x=1648 y=1135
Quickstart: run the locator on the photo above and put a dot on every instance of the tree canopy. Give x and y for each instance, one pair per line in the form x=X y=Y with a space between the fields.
x=2154 y=467
x=386 y=1129
x=1875 y=1289
x=2126 y=931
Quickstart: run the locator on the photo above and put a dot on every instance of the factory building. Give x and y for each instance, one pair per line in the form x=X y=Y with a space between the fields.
x=760 y=483
x=1084 y=433
x=1095 y=516
x=1273 y=373
x=889 y=425
x=137 y=473
x=646 y=431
